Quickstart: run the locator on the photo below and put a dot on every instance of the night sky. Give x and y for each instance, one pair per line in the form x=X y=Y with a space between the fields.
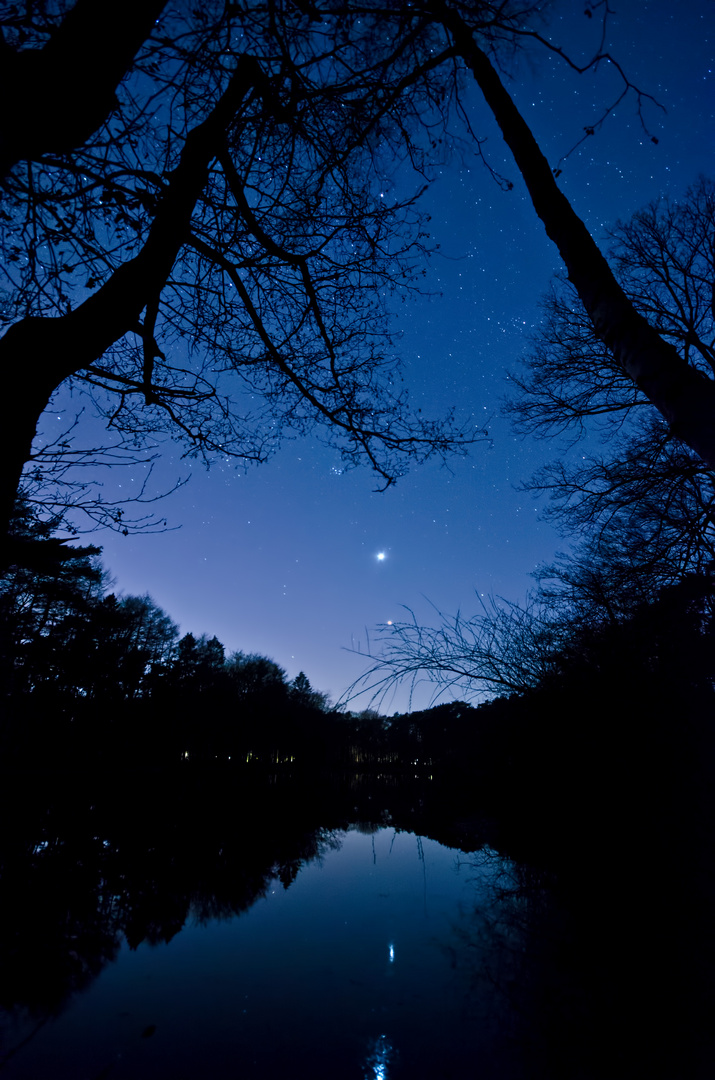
x=299 y=560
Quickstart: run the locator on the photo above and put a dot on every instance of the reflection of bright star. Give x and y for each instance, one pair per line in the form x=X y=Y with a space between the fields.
x=380 y=556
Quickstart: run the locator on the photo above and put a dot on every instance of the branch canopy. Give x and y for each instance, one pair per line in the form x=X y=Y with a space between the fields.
x=680 y=392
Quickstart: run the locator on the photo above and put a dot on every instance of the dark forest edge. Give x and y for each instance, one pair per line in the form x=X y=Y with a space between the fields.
x=593 y=786
x=92 y=681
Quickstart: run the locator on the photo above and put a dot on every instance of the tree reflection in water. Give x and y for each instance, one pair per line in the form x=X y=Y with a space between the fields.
x=586 y=956
x=599 y=967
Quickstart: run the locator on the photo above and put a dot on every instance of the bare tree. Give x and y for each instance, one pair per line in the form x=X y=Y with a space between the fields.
x=504 y=649
x=216 y=258
x=638 y=510
x=643 y=496
x=680 y=391
x=65 y=481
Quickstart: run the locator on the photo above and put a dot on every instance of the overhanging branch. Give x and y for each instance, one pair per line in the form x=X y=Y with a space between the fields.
x=684 y=397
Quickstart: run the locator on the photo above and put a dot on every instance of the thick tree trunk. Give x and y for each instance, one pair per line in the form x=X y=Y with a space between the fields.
x=56 y=97
x=684 y=397
x=37 y=354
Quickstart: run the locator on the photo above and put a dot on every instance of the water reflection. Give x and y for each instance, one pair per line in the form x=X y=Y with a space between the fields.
x=224 y=929
x=378 y=1059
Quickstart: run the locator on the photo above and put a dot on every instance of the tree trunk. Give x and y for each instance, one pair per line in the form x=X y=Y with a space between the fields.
x=38 y=353
x=57 y=96
x=684 y=397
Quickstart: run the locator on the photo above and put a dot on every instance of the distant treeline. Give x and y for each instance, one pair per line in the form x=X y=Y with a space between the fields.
x=90 y=678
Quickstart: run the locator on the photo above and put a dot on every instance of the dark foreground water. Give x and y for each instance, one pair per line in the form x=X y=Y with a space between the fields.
x=216 y=929
x=361 y=968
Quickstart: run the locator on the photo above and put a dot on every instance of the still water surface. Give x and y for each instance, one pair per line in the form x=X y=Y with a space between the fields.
x=365 y=967
x=214 y=925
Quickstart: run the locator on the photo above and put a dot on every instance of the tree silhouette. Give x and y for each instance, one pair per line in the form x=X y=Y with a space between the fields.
x=641 y=508
x=62 y=86
x=679 y=390
x=506 y=648
x=89 y=676
x=639 y=514
x=199 y=660
x=134 y=640
x=215 y=258
x=47 y=587
x=303 y=694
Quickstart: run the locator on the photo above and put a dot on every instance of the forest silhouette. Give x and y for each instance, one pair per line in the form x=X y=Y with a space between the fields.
x=196 y=243
x=90 y=679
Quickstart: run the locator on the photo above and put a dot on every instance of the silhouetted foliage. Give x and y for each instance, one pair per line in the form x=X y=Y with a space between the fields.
x=90 y=676
x=44 y=594
x=198 y=661
x=303 y=694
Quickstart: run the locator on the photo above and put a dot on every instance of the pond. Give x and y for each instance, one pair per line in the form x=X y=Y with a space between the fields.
x=242 y=930
x=356 y=970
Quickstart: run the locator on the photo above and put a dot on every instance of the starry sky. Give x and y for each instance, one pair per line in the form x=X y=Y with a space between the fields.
x=301 y=561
